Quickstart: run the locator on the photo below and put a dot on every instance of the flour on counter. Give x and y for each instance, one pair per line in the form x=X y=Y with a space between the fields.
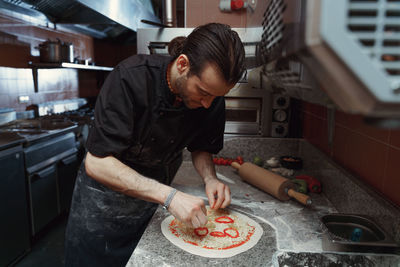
x=225 y=179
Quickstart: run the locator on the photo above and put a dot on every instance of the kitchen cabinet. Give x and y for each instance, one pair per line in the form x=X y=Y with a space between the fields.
x=51 y=165
x=67 y=171
x=44 y=199
x=14 y=223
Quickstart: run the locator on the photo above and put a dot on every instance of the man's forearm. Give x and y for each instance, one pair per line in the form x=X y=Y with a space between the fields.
x=121 y=178
x=204 y=165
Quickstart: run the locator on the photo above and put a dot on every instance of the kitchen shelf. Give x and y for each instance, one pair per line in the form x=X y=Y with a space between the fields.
x=36 y=66
x=69 y=65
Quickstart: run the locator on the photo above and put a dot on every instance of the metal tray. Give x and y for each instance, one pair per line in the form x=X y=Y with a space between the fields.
x=358 y=233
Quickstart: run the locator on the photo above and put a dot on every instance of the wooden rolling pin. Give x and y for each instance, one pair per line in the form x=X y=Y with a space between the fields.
x=270 y=182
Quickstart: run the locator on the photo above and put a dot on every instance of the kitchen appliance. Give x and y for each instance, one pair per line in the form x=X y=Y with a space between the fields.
x=67 y=52
x=350 y=48
x=14 y=224
x=97 y=18
x=272 y=183
x=50 y=52
x=49 y=165
x=50 y=153
x=280 y=115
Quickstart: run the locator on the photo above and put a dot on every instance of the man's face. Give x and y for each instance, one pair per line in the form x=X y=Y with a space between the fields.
x=200 y=91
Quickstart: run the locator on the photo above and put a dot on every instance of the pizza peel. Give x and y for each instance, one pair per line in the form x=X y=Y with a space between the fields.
x=272 y=183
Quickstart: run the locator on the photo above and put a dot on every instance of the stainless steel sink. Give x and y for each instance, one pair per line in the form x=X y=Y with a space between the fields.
x=356 y=233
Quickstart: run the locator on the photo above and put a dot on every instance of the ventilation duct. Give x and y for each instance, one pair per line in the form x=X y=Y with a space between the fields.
x=97 y=18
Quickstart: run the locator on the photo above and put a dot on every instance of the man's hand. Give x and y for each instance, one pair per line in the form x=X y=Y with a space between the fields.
x=219 y=194
x=188 y=209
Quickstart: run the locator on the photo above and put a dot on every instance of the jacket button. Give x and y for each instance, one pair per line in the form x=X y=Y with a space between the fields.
x=172 y=141
x=153 y=139
x=161 y=113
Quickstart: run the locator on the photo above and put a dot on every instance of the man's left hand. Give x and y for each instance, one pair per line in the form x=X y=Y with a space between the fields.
x=219 y=194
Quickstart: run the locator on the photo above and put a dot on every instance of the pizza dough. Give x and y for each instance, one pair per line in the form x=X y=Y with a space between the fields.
x=226 y=234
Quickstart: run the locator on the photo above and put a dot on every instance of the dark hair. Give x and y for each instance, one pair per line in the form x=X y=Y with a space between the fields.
x=212 y=43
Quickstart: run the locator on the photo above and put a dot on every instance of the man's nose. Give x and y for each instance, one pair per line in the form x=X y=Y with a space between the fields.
x=206 y=101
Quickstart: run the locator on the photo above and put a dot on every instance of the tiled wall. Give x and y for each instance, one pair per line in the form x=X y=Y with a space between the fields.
x=371 y=154
x=18 y=42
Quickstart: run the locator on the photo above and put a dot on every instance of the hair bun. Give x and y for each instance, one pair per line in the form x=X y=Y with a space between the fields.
x=175 y=46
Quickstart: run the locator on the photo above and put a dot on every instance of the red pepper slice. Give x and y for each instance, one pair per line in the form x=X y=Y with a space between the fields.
x=217 y=234
x=233 y=229
x=224 y=219
x=200 y=231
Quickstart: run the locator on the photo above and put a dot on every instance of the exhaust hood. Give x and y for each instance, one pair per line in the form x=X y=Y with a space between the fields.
x=351 y=48
x=96 y=18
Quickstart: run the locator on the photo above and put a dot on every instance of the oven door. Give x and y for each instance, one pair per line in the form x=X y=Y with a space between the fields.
x=248 y=111
x=243 y=116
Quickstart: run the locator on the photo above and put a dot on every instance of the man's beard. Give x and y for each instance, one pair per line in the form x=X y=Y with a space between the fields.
x=180 y=86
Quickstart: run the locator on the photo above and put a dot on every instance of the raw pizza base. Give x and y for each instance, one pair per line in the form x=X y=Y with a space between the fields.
x=254 y=237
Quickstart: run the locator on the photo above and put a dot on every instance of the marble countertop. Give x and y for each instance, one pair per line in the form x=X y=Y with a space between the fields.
x=293 y=234
x=289 y=227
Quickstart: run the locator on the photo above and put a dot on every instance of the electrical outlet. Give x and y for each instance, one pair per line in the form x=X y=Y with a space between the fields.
x=23 y=99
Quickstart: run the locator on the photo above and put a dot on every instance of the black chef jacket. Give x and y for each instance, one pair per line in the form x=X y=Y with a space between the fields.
x=135 y=122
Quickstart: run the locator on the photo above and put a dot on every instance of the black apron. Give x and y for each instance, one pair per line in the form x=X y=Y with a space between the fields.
x=105 y=226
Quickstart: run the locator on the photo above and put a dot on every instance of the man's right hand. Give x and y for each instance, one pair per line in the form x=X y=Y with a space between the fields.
x=188 y=209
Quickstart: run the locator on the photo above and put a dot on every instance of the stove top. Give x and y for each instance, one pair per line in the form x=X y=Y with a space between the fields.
x=48 y=125
x=33 y=129
x=81 y=116
x=9 y=139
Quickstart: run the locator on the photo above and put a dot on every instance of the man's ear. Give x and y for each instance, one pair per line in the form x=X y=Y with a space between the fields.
x=182 y=63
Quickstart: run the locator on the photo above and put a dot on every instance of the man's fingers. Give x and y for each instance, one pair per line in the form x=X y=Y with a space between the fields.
x=195 y=222
x=211 y=199
x=227 y=200
x=202 y=219
x=204 y=209
x=221 y=197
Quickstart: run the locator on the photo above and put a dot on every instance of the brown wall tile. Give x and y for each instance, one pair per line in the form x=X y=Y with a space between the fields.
x=201 y=12
x=391 y=185
x=371 y=154
x=356 y=123
x=339 y=149
x=394 y=138
x=315 y=110
x=315 y=131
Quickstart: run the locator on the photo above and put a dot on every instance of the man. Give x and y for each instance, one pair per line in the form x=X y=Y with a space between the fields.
x=150 y=108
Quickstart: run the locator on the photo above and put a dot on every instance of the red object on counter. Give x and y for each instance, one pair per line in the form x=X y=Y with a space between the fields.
x=227 y=161
x=312 y=183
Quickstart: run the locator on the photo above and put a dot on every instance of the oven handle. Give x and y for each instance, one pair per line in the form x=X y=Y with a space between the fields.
x=43 y=173
x=69 y=160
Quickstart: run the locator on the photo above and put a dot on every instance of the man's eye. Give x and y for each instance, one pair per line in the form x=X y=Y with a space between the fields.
x=203 y=93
